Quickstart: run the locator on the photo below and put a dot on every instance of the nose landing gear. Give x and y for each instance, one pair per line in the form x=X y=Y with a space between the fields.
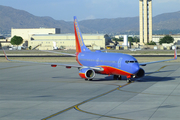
x=129 y=80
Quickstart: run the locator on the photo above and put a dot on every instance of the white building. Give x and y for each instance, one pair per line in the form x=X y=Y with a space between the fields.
x=46 y=42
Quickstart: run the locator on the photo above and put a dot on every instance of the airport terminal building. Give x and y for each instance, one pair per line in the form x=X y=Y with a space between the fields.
x=50 y=38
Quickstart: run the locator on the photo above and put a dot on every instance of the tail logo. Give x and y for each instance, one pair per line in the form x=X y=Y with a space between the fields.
x=78 y=33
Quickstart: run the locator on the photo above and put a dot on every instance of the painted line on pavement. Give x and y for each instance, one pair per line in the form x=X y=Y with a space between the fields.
x=76 y=106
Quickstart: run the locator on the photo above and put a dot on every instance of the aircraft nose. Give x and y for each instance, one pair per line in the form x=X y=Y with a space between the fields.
x=135 y=68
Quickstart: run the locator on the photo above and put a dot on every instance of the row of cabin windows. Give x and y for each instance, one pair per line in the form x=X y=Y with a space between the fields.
x=99 y=60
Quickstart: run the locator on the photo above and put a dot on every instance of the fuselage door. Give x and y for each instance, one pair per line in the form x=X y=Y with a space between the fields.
x=119 y=62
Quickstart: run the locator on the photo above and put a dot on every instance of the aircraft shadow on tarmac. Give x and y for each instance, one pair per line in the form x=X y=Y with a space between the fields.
x=156 y=78
x=159 y=72
x=102 y=78
x=109 y=78
x=150 y=78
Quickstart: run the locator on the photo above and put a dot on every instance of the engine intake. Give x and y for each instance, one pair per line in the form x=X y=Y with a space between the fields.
x=140 y=73
x=87 y=73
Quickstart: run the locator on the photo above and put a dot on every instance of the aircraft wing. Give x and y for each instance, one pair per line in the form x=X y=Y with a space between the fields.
x=175 y=57
x=59 y=52
x=55 y=64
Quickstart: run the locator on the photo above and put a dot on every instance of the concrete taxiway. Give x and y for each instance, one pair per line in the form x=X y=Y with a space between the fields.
x=34 y=92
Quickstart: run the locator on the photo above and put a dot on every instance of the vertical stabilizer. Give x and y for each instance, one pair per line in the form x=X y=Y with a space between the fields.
x=80 y=46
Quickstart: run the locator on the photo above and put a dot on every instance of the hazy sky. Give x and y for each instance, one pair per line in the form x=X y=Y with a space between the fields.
x=89 y=9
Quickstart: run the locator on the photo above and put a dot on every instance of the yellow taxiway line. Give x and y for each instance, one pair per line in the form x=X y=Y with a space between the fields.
x=77 y=105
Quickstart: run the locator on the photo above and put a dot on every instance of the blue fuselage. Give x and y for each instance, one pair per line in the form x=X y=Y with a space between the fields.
x=112 y=61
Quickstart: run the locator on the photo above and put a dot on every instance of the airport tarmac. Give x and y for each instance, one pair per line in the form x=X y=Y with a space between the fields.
x=35 y=92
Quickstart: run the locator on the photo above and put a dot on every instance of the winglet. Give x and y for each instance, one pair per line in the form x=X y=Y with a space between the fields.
x=5 y=54
x=175 y=53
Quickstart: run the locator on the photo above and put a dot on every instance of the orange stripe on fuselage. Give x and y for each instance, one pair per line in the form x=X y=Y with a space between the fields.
x=114 y=71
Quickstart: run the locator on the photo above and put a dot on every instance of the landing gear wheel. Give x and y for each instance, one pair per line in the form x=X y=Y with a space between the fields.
x=88 y=79
x=128 y=80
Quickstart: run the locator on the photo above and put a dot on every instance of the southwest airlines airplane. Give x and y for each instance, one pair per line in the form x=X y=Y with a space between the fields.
x=92 y=63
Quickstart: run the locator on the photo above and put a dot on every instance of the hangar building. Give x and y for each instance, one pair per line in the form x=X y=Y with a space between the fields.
x=50 y=41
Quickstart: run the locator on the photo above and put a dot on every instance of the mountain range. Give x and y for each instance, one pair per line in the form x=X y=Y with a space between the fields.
x=14 y=18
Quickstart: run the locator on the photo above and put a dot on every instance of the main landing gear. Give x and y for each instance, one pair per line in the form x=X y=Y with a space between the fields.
x=117 y=77
x=88 y=79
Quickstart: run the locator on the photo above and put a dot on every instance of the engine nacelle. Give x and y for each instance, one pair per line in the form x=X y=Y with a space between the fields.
x=140 y=73
x=87 y=73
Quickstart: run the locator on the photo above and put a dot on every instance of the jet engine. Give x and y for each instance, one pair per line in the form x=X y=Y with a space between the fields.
x=140 y=73
x=87 y=73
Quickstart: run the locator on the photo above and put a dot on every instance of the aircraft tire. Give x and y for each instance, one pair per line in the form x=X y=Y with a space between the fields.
x=128 y=80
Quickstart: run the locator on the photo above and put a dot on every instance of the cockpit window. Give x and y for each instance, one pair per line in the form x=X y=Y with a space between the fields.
x=131 y=61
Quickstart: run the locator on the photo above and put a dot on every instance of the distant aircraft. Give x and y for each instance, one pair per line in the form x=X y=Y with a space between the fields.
x=92 y=63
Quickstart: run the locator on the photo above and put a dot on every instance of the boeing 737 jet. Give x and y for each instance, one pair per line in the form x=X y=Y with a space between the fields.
x=92 y=63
